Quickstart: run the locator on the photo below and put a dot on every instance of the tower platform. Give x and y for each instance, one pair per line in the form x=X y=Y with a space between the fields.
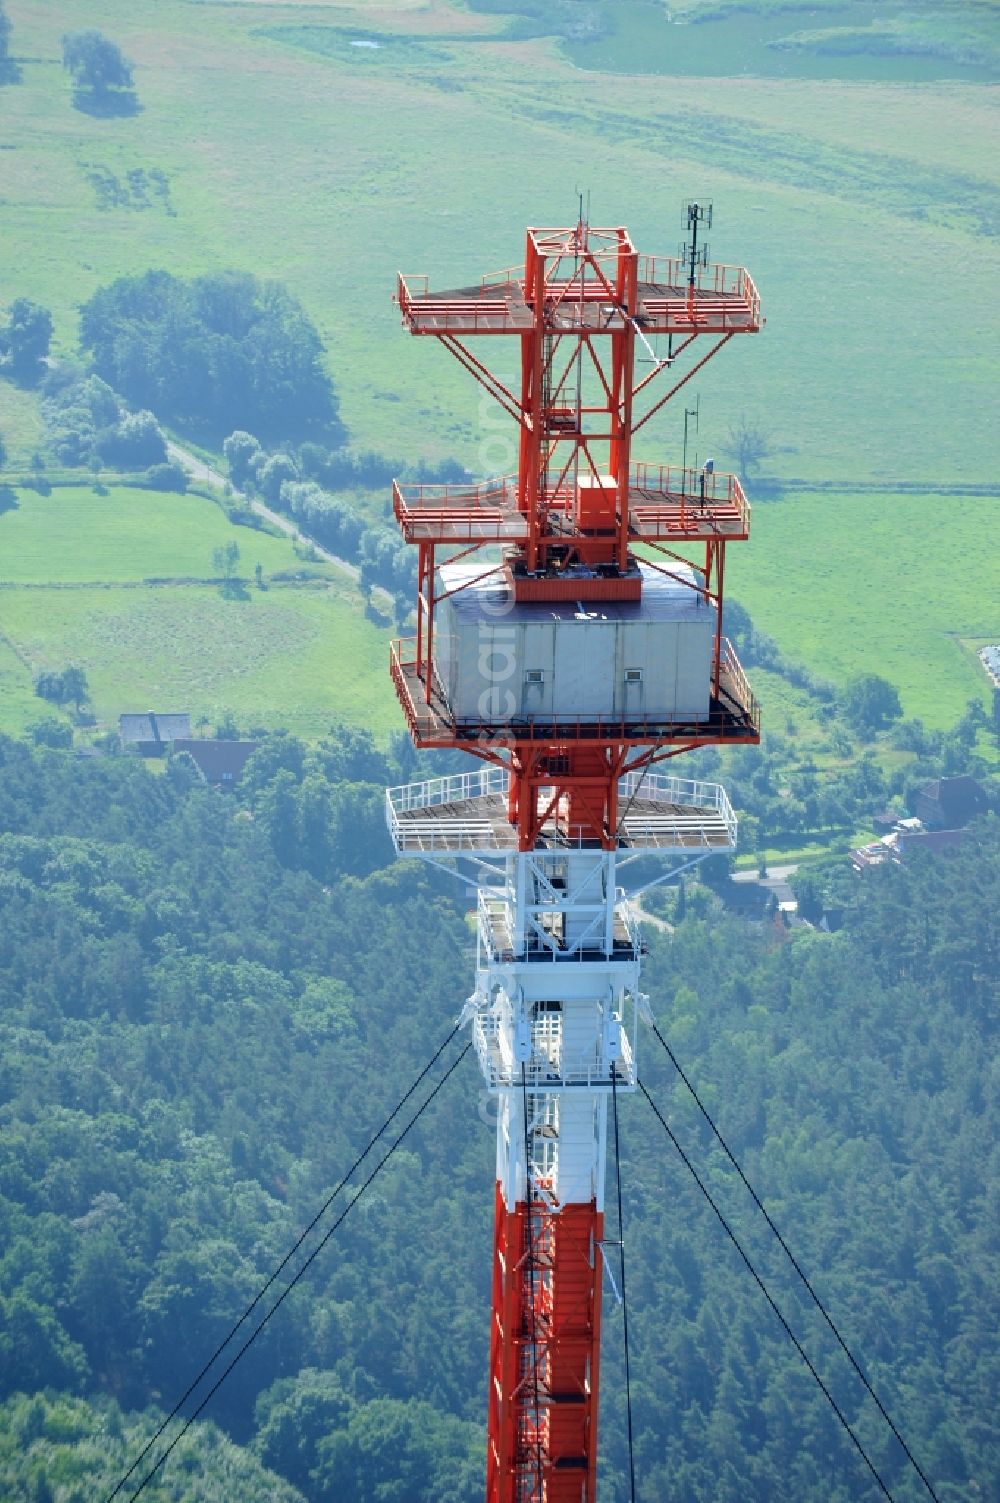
x=733 y=715
x=467 y=815
x=724 y=300
x=665 y=504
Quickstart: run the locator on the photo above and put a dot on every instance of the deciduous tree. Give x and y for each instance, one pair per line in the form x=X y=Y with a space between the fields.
x=242 y=453
x=224 y=562
x=274 y=473
x=74 y=686
x=869 y=703
x=749 y=445
x=135 y=442
x=95 y=62
x=66 y=687
x=25 y=340
x=51 y=732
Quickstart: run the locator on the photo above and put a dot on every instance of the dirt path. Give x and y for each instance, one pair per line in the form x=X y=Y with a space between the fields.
x=206 y=475
x=645 y=917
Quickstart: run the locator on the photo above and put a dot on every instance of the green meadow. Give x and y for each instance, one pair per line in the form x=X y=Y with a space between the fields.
x=285 y=658
x=20 y=707
x=75 y=535
x=815 y=576
x=75 y=571
x=895 y=43
x=868 y=214
x=327 y=145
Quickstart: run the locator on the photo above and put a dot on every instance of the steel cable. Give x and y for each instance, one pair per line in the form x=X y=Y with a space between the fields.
x=292 y=1283
x=798 y=1269
x=767 y=1295
x=621 y=1269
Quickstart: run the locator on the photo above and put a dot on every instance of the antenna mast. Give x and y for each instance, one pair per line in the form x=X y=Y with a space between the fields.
x=547 y=648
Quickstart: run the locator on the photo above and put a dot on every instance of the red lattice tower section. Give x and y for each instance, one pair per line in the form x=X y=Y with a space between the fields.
x=544 y=1354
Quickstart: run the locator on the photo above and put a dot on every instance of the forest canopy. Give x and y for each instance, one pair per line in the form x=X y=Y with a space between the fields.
x=207 y=1004
x=224 y=350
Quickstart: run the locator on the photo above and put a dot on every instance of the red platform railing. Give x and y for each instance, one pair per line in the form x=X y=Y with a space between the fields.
x=664 y=501
x=722 y=298
x=719 y=280
x=733 y=714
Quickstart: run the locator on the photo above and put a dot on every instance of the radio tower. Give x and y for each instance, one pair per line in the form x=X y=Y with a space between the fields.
x=569 y=666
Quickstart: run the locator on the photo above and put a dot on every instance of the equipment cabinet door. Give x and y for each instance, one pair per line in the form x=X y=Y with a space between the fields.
x=585 y=668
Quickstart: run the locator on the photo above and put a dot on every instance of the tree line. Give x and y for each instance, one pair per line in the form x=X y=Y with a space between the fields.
x=211 y=352
x=90 y=424
x=303 y=483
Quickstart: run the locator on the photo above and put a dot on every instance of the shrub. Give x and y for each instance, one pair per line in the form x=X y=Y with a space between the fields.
x=134 y=441
x=243 y=455
x=274 y=473
x=51 y=732
x=168 y=476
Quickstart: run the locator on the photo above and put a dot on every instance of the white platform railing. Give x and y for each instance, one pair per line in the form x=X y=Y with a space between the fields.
x=688 y=793
x=470 y=830
x=546 y=1071
x=496 y=912
x=696 y=813
x=447 y=790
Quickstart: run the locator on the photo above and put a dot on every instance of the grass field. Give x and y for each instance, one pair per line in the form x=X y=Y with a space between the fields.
x=73 y=536
x=295 y=655
x=843 y=40
x=868 y=212
x=286 y=657
x=894 y=582
x=19 y=704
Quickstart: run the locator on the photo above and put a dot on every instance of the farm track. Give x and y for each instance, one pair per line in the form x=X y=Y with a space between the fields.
x=206 y=475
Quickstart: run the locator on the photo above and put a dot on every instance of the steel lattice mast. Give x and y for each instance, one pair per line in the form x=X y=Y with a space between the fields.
x=546 y=648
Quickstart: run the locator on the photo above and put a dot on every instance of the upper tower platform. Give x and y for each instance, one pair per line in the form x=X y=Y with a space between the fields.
x=661 y=294
x=579 y=305
x=569 y=616
x=665 y=504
